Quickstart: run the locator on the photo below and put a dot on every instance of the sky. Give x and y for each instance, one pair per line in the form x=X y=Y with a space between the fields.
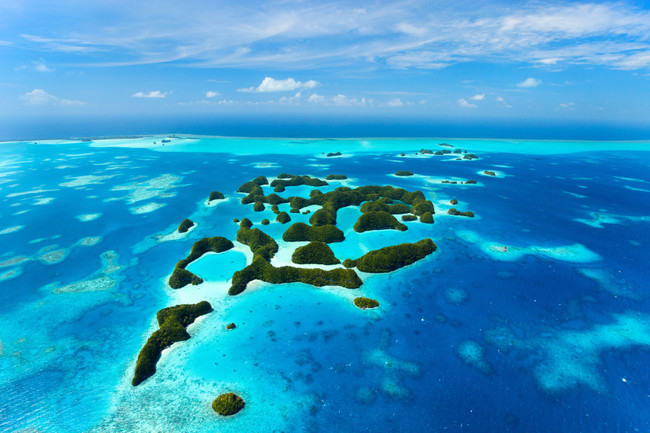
x=500 y=61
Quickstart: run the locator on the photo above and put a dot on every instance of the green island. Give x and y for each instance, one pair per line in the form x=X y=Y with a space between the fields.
x=391 y=258
x=489 y=173
x=216 y=195
x=315 y=253
x=453 y=211
x=329 y=155
x=336 y=177
x=264 y=248
x=181 y=277
x=185 y=225
x=378 y=205
x=403 y=173
x=365 y=303
x=453 y=201
x=426 y=151
x=228 y=404
x=377 y=220
x=301 y=232
x=172 y=322
x=283 y=218
x=426 y=218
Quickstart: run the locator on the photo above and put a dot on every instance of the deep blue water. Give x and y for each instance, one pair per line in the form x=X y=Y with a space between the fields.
x=306 y=359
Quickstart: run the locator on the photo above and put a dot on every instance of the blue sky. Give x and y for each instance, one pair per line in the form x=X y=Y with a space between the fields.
x=564 y=61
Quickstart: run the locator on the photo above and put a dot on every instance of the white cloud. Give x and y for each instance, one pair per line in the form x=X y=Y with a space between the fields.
x=529 y=82
x=339 y=100
x=294 y=35
x=567 y=106
x=211 y=94
x=272 y=85
x=41 y=97
x=503 y=101
x=152 y=94
x=40 y=66
x=316 y=98
x=395 y=103
x=478 y=97
x=295 y=99
x=463 y=103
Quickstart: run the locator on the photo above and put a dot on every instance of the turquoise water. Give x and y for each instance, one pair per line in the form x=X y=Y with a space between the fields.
x=532 y=316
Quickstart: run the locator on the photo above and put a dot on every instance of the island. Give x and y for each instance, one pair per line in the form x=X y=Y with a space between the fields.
x=172 y=322
x=264 y=248
x=453 y=211
x=377 y=220
x=228 y=404
x=181 y=277
x=336 y=177
x=185 y=225
x=403 y=173
x=301 y=232
x=489 y=173
x=409 y=217
x=283 y=218
x=391 y=258
x=331 y=154
x=216 y=195
x=426 y=218
x=470 y=156
x=315 y=253
x=365 y=303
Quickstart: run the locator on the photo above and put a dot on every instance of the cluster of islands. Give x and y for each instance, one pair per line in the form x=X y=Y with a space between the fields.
x=379 y=207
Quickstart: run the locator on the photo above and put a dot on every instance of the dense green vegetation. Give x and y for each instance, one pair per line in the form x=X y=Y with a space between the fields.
x=323 y=216
x=181 y=276
x=283 y=218
x=334 y=154
x=265 y=222
x=260 y=243
x=262 y=270
x=301 y=232
x=391 y=258
x=470 y=156
x=380 y=205
x=453 y=201
x=228 y=404
x=468 y=213
x=364 y=303
x=185 y=225
x=336 y=177
x=426 y=151
x=259 y=206
x=409 y=217
x=403 y=173
x=215 y=195
x=315 y=253
x=489 y=173
x=470 y=182
x=299 y=180
x=377 y=220
x=172 y=323
x=426 y=218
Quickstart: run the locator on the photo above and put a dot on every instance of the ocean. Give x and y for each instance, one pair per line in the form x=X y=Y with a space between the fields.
x=533 y=315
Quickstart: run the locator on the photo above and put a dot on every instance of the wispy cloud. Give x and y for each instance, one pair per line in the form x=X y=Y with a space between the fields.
x=566 y=106
x=478 y=97
x=41 y=97
x=272 y=85
x=463 y=103
x=403 y=34
x=339 y=100
x=503 y=101
x=529 y=82
x=156 y=94
x=397 y=102
x=211 y=94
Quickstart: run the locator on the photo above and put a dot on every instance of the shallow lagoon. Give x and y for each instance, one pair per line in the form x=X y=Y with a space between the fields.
x=550 y=334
